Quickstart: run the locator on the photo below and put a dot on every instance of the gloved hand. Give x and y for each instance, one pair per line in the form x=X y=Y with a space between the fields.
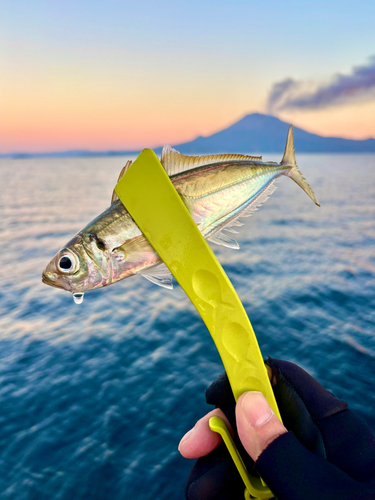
x=328 y=453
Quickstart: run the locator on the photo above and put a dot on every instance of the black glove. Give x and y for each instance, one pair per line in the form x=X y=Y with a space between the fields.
x=329 y=453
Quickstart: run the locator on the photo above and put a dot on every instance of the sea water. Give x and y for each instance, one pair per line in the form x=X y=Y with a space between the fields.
x=95 y=398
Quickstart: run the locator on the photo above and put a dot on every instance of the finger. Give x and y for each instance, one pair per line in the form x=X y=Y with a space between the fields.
x=201 y=440
x=220 y=392
x=257 y=425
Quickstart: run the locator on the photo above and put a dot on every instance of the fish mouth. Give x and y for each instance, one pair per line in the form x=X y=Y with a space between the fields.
x=50 y=279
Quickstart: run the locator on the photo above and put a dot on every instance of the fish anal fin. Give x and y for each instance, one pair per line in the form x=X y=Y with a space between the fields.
x=230 y=229
x=259 y=200
x=222 y=239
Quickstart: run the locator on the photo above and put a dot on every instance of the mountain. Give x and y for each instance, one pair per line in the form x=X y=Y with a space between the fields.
x=257 y=133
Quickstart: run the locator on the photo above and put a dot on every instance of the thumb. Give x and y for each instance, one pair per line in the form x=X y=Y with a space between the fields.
x=257 y=425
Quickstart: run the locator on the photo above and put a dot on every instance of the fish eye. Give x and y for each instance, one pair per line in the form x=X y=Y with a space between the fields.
x=68 y=264
x=100 y=244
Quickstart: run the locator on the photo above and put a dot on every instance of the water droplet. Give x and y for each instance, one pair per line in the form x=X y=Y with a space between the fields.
x=78 y=297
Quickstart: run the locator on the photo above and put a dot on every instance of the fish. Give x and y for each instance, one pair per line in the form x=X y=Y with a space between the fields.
x=217 y=190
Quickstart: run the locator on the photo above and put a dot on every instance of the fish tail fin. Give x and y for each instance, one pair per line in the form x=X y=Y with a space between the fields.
x=294 y=173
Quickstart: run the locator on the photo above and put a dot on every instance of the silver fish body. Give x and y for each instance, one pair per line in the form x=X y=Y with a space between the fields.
x=216 y=193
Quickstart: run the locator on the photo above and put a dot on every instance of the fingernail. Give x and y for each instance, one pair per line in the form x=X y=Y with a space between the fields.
x=256 y=409
x=187 y=436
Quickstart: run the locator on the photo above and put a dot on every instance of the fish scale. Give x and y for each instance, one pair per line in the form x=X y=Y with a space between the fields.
x=212 y=205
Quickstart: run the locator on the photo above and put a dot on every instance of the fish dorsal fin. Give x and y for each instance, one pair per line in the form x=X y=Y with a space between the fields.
x=175 y=162
x=123 y=170
x=159 y=275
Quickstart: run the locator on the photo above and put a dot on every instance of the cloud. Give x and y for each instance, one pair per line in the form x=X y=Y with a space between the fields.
x=293 y=94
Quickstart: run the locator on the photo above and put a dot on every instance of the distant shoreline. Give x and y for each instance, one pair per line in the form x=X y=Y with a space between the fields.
x=29 y=156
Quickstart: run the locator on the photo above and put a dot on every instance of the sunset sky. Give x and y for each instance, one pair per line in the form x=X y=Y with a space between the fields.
x=129 y=74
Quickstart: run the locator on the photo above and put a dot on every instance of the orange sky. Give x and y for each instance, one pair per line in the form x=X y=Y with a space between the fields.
x=79 y=113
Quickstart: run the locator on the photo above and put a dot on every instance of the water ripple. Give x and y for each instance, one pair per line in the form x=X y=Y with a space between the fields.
x=94 y=398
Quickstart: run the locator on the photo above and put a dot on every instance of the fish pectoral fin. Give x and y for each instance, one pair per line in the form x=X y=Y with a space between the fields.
x=159 y=275
x=224 y=240
x=175 y=162
x=123 y=170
